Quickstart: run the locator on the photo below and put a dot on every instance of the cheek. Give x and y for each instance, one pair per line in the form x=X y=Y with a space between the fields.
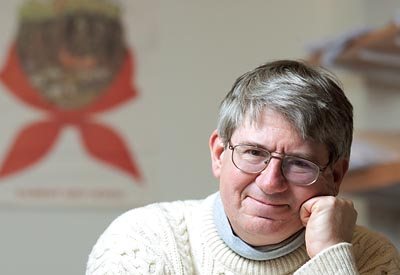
x=232 y=180
x=302 y=194
x=326 y=186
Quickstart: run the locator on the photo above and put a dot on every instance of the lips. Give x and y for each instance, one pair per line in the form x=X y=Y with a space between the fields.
x=265 y=208
x=268 y=201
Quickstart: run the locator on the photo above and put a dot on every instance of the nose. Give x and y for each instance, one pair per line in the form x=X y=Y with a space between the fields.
x=271 y=180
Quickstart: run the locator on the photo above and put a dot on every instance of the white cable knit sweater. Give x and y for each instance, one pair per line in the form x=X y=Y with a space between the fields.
x=181 y=238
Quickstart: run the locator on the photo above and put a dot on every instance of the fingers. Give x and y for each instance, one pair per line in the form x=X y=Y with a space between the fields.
x=307 y=208
x=328 y=220
x=324 y=203
x=329 y=211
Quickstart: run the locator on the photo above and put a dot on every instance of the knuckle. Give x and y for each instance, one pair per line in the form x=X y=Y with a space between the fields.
x=331 y=201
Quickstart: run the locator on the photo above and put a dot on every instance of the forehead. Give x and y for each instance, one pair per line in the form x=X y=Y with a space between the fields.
x=266 y=123
x=274 y=132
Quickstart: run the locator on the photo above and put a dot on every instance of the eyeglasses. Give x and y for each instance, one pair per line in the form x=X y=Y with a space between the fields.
x=252 y=159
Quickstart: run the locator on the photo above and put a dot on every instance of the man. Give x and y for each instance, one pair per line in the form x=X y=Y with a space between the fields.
x=280 y=153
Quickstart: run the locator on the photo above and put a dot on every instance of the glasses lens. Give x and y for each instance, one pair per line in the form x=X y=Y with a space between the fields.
x=250 y=159
x=299 y=171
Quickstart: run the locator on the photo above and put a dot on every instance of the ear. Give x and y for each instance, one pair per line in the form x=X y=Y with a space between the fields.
x=339 y=170
x=217 y=152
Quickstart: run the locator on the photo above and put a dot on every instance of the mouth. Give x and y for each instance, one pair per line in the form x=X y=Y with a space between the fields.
x=270 y=203
x=267 y=209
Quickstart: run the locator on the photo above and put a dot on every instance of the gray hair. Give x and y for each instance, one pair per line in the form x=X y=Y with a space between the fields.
x=310 y=98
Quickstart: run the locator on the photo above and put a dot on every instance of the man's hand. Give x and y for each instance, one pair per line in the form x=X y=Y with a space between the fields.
x=328 y=220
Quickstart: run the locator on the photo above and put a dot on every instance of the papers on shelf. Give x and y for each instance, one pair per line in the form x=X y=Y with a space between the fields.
x=365 y=154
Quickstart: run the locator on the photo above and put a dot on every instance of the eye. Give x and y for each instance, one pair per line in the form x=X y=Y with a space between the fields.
x=253 y=153
x=297 y=164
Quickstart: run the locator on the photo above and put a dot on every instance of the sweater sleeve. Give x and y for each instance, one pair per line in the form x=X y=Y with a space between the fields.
x=369 y=253
x=375 y=254
x=140 y=241
x=336 y=260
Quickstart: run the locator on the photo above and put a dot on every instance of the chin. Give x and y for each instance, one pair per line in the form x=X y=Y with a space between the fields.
x=262 y=231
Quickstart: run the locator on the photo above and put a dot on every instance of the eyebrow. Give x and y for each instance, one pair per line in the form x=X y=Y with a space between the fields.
x=255 y=144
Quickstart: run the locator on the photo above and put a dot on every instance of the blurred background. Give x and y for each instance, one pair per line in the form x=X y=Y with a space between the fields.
x=108 y=105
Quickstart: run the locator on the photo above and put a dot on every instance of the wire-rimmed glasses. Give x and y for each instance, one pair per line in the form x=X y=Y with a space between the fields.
x=296 y=170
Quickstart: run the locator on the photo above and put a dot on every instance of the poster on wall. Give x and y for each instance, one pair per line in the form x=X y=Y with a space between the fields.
x=68 y=92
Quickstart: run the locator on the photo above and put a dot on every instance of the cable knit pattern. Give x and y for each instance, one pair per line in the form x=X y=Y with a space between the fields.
x=177 y=222
x=372 y=253
x=181 y=238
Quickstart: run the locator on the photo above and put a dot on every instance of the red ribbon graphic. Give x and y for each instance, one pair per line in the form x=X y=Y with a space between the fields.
x=35 y=140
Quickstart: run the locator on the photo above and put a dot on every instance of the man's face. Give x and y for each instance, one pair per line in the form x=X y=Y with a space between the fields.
x=264 y=208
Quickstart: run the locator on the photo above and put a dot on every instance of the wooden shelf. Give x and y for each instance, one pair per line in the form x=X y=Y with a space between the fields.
x=378 y=175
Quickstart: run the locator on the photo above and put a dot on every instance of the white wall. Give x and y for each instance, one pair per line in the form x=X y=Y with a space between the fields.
x=199 y=48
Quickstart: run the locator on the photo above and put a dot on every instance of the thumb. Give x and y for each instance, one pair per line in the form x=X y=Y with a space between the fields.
x=306 y=209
